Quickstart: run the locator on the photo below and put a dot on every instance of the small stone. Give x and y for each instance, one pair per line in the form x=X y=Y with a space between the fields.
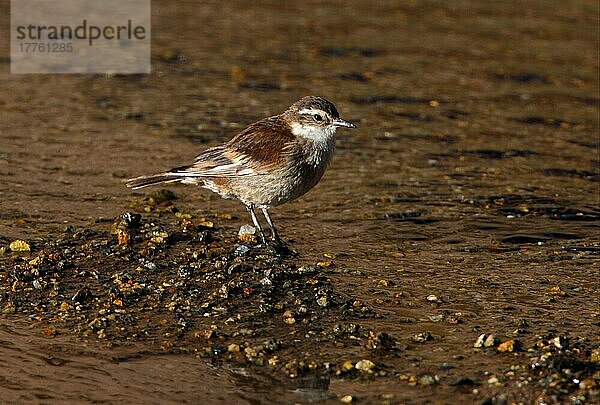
x=82 y=295
x=247 y=230
x=427 y=380
x=509 y=346
x=290 y=320
x=595 y=356
x=493 y=380
x=560 y=342
x=241 y=250
x=480 y=340
x=346 y=399
x=65 y=306
x=49 y=331
x=461 y=381
x=490 y=341
x=434 y=298
x=19 y=246
x=204 y=334
x=347 y=366
x=323 y=302
x=446 y=366
x=365 y=365
x=423 y=337
x=557 y=291
x=233 y=348
x=436 y=318
x=380 y=342
x=247 y=238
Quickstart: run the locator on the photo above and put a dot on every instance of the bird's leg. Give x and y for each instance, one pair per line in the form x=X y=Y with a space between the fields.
x=250 y=208
x=274 y=235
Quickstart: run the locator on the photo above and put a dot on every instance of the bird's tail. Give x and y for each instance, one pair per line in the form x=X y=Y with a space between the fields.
x=145 y=181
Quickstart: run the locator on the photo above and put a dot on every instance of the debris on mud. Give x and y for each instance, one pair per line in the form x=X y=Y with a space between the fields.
x=181 y=284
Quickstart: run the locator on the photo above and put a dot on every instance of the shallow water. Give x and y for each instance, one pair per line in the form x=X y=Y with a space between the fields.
x=473 y=176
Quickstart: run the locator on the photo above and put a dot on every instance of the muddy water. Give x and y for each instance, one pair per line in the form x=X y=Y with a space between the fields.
x=473 y=177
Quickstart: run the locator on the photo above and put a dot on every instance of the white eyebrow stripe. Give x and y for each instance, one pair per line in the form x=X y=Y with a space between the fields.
x=310 y=111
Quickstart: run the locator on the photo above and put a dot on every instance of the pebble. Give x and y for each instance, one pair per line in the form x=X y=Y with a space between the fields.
x=560 y=342
x=323 y=302
x=19 y=246
x=423 y=337
x=485 y=340
x=247 y=230
x=461 y=381
x=233 y=348
x=365 y=365
x=241 y=250
x=427 y=380
x=434 y=298
x=509 y=346
x=490 y=341
x=446 y=366
x=492 y=380
x=346 y=399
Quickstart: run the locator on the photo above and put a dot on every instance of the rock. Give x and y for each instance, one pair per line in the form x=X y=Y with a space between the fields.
x=480 y=340
x=434 y=299
x=491 y=341
x=423 y=337
x=247 y=230
x=509 y=346
x=323 y=302
x=347 y=366
x=19 y=246
x=492 y=380
x=233 y=348
x=346 y=399
x=288 y=317
x=241 y=250
x=381 y=341
x=595 y=356
x=461 y=381
x=427 y=380
x=365 y=365
x=560 y=342
x=82 y=295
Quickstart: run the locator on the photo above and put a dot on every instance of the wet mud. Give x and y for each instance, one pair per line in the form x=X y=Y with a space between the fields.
x=450 y=253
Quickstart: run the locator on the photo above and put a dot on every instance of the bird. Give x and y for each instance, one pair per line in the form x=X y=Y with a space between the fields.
x=273 y=161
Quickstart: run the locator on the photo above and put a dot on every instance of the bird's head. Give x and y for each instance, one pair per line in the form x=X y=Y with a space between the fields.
x=314 y=118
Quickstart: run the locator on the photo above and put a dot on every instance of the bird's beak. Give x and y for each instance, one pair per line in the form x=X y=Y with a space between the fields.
x=338 y=122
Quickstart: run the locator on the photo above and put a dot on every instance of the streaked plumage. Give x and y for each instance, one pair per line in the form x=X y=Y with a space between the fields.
x=271 y=162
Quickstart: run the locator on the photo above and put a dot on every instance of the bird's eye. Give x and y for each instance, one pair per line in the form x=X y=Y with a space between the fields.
x=317 y=117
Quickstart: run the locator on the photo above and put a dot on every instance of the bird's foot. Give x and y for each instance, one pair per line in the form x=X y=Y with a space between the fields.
x=278 y=247
x=281 y=247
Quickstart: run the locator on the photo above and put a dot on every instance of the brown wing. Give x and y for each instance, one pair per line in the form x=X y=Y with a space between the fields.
x=253 y=151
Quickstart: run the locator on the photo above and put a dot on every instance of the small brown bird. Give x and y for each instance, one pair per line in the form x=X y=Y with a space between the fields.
x=273 y=161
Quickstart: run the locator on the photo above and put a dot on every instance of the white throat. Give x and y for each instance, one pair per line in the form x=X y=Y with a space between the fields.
x=317 y=134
